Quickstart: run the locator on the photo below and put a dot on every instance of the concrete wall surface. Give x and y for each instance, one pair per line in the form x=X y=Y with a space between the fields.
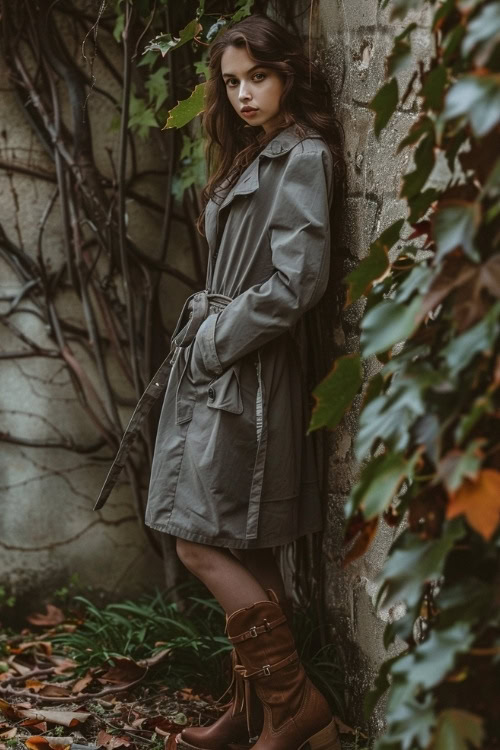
x=48 y=530
x=355 y=37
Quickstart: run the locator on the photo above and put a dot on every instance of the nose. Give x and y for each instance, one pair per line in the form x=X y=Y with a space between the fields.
x=244 y=92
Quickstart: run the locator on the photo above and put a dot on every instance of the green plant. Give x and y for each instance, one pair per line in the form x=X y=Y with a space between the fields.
x=137 y=630
x=194 y=636
x=429 y=429
x=323 y=664
x=6 y=599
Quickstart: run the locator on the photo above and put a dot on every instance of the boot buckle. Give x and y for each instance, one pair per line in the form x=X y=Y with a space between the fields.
x=267 y=670
x=253 y=632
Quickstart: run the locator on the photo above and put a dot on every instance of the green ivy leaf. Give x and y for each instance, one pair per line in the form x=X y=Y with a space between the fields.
x=388 y=417
x=477 y=97
x=387 y=324
x=420 y=203
x=380 y=481
x=380 y=686
x=481 y=406
x=192 y=170
x=336 y=391
x=384 y=104
x=244 y=10
x=374 y=265
x=427 y=664
x=484 y=29
x=187 y=109
x=412 y=722
x=480 y=338
x=455 y=224
x=157 y=88
x=400 y=57
x=456 y=729
x=399 y=8
x=419 y=128
x=414 y=182
x=367 y=272
x=164 y=43
x=412 y=562
x=433 y=88
x=141 y=116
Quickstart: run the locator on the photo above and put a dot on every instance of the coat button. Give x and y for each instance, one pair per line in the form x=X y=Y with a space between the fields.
x=211 y=393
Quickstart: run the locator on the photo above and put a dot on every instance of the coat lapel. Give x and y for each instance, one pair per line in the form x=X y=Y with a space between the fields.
x=248 y=181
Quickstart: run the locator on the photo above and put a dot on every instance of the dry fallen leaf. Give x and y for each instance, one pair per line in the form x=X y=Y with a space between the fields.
x=66 y=718
x=55 y=691
x=52 y=616
x=38 y=645
x=479 y=501
x=8 y=734
x=36 y=742
x=124 y=671
x=82 y=683
x=110 y=741
x=34 y=724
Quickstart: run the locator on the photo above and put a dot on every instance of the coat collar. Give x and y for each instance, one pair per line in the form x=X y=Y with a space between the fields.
x=248 y=181
x=283 y=142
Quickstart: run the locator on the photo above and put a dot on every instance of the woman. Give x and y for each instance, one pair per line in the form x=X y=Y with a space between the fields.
x=233 y=473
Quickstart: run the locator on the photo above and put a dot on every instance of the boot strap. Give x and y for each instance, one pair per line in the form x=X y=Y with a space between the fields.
x=267 y=670
x=257 y=630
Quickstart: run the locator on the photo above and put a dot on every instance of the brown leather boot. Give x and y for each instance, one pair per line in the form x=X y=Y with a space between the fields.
x=237 y=728
x=296 y=714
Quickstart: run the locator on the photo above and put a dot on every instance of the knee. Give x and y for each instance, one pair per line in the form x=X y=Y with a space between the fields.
x=189 y=553
x=200 y=559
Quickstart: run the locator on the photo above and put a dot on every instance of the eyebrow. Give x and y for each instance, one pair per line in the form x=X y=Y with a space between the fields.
x=250 y=70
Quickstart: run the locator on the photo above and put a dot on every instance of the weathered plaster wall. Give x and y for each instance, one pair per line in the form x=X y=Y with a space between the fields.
x=48 y=530
x=355 y=37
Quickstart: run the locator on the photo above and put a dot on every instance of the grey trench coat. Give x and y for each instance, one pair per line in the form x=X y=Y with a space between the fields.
x=232 y=464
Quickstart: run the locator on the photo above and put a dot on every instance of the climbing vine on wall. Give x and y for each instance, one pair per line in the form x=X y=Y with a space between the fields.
x=429 y=431
x=81 y=70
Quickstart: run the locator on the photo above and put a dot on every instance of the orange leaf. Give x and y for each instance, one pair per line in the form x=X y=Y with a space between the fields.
x=36 y=742
x=362 y=541
x=52 y=616
x=82 y=683
x=35 y=685
x=479 y=501
x=38 y=645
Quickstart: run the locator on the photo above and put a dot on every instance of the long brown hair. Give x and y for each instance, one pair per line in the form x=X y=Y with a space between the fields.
x=306 y=100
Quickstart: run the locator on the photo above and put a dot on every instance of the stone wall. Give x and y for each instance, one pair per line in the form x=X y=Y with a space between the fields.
x=354 y=38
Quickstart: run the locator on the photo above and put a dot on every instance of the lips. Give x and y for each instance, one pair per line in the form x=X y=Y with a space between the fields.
x=248 y=109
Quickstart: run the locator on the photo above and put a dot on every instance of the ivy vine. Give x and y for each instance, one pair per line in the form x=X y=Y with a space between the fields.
x=428 y=440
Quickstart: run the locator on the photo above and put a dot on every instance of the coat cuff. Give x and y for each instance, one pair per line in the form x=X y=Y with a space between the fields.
x=205 y=339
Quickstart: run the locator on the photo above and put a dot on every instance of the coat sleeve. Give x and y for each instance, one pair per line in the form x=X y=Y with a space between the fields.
x=299 y=236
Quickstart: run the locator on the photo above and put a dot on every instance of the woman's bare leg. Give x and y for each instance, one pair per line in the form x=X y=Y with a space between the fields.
x=263 y=566
x=229 y=580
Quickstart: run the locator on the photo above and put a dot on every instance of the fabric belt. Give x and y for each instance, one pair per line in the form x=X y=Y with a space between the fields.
x=196 y=308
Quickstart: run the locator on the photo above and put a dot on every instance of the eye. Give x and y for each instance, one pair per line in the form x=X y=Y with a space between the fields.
x=231 y=82
x=263 y=75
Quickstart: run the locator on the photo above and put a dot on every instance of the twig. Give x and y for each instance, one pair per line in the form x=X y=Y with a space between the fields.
x=78 y=698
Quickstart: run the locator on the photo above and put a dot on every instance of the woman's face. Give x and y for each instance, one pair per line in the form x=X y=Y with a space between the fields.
x=253 y=90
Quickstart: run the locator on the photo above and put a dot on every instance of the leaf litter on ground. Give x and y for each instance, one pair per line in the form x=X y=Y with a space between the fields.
x=51 y=703
x=128 y=675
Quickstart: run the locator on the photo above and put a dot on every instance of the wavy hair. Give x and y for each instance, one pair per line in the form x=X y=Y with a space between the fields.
x=306 y=100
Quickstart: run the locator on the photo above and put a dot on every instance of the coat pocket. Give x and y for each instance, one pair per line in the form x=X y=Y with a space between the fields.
x=224 y=392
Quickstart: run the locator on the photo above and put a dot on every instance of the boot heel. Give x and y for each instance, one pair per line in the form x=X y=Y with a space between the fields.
x=327 y=739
